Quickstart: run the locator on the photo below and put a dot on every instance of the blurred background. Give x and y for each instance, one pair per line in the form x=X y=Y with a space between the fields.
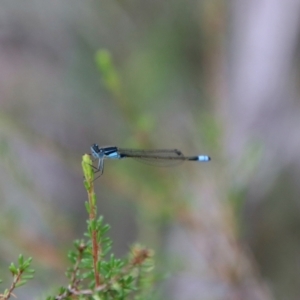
x=207 y=77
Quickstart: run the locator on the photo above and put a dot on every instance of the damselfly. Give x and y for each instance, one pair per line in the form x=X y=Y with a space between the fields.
x=161 y=157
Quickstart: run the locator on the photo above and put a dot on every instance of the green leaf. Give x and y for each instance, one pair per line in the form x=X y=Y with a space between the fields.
x=87 y=206
x=27 y=277
x=94 y=200
x=93 y=225
x=26 y=263
x=14 y=270
x=87 y=275
x=30 y=271
x=88 y=172
x=20 y=283
x=86 y=185
x=105 y=228
x=97 y=297
x=21 y=260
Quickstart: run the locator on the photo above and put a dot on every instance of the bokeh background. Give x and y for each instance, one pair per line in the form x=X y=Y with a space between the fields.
x=210 y=76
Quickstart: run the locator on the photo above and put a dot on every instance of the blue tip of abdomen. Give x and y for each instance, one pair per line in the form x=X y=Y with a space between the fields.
x=204 y=158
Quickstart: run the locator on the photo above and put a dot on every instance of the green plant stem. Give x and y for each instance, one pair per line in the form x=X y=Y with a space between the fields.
x=89 y=184
x=96 y=246
x=12 y=287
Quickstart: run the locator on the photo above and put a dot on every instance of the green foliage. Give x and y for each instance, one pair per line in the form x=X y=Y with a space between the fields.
x=21 y=274
x=95 y=273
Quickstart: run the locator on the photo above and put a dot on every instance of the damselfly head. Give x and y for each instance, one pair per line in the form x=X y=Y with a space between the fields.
x=96 y=151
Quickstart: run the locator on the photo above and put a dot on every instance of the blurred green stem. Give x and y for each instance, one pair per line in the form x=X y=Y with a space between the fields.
x=92 y=210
